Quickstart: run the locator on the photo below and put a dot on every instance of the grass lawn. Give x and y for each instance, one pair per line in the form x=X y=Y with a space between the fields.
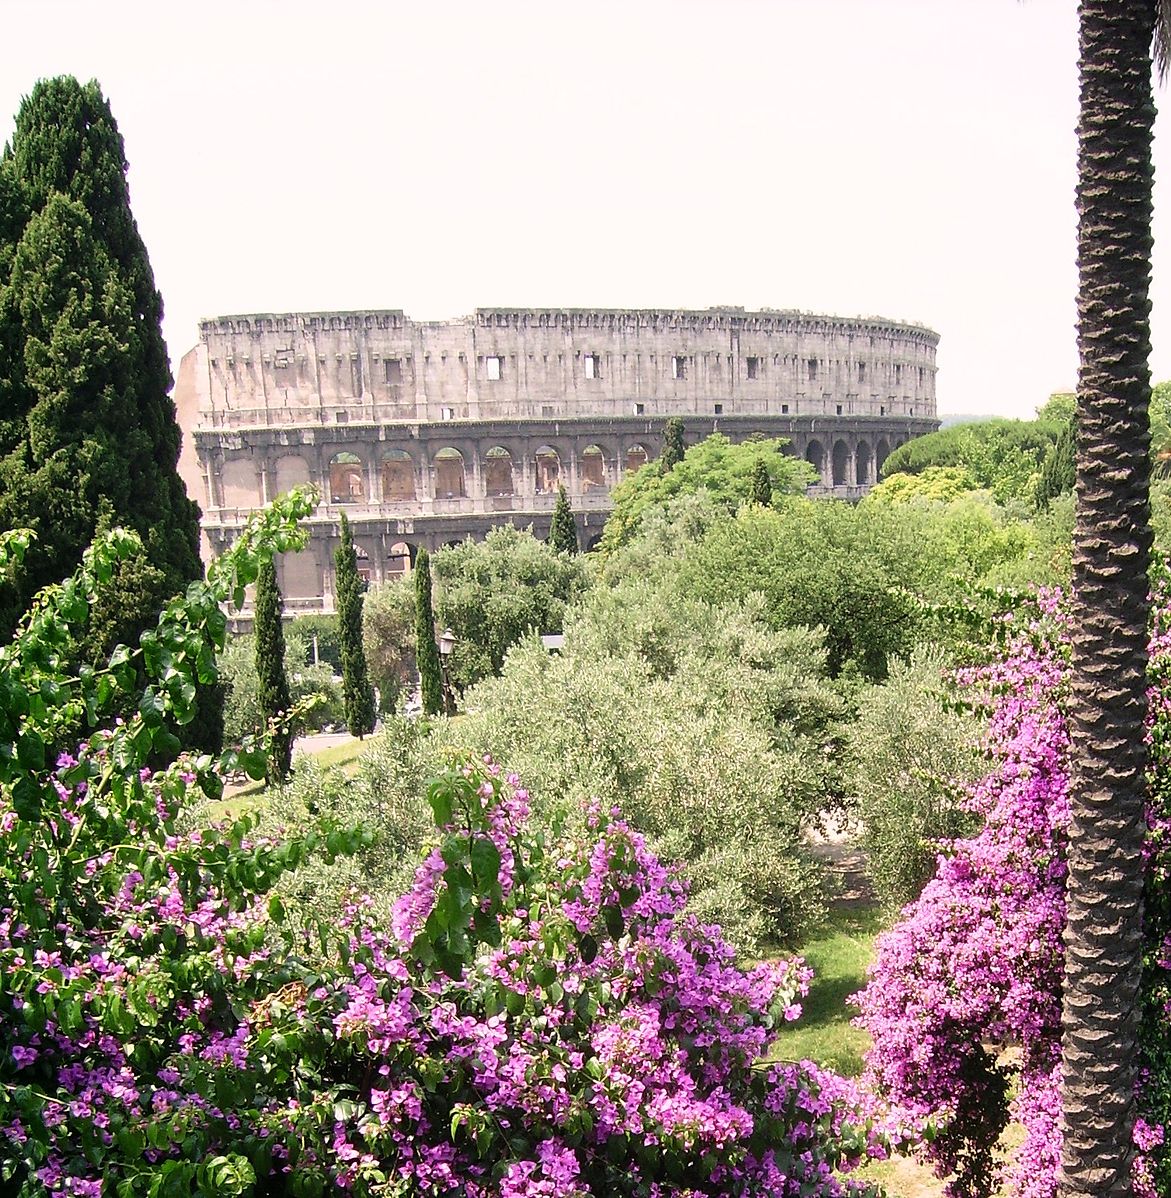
x=344 y=755
x=240 y=799
x=838 y=956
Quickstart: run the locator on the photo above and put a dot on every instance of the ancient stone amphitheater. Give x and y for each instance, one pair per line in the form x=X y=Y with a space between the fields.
x=425 y=432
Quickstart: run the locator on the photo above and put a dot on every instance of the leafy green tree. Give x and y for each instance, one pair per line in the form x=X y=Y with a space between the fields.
x=1003 y=456
x=563 y=530
x=494 y=591
x=935 y=484
x=907 y=753
x=272 y=682
x=325 y=631
x=388 y=636
x=243 y=719
x=91 y=414
x=762 y=485
x=1059 y=408
x=355 y=679
x=88 y=433
x=725 y=471
x=673 y=445
x=426 y=651
x=677 y=709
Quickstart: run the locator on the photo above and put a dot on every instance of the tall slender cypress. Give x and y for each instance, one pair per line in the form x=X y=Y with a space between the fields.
x=1058 y=469
x=270 y=670
x=359 y=698
x=426 y=652
x=673 y=446
x=66 y=147
x=762 y=485
x=88 y=432
x=562 y=529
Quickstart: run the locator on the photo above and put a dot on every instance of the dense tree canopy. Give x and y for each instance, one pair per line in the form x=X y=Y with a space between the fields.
x=1003 y=456
x=715 y=465
x=491 y=592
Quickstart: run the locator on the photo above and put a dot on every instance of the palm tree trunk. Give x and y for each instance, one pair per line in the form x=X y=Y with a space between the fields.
x=1111 y=551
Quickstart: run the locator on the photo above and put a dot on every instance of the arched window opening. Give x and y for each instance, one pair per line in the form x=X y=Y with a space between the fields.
x=449 y=474
x=548 y=470
x=815 y=456
x=400 y=559
x=347 y=479
x=841 y=463
x=498 y=472
x=593 y=469
x=398 y=475
x=636 y=458
x=862 y=472
x=881 y=453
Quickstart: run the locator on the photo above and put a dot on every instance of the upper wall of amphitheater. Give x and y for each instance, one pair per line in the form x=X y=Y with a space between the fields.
x=537 y=363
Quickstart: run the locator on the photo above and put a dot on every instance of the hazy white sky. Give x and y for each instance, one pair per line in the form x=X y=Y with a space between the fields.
x=908 y=158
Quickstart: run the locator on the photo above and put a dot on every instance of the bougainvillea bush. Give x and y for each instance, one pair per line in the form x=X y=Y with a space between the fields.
x=539 y=1020
x=964 y=996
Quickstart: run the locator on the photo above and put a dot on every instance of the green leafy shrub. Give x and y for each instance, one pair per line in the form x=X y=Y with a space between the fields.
x=708 y=727
x=725 y=471
x=1004 y=456
x=491 y=592
x=910 y=752
x=325 y=629
x=388 y=635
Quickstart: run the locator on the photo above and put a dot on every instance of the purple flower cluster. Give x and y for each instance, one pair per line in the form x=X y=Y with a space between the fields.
x=539 y=1020
x=964 y=997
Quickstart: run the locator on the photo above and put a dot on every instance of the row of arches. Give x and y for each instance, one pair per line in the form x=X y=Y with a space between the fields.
x=349 y=479
x=497 y=472
x=839 y=466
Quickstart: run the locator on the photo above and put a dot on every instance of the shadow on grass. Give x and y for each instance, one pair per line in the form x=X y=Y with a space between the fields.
x=838 y=954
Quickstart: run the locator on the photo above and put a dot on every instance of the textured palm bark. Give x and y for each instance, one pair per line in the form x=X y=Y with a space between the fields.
x=1111 y=551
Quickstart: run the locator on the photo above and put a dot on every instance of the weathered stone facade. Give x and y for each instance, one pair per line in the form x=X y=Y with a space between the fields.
x=426 y=432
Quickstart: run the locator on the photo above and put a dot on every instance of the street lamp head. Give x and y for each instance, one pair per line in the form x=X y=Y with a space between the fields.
x=446 y=642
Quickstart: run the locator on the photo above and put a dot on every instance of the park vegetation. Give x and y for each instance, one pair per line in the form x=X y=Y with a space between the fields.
x=549 y=944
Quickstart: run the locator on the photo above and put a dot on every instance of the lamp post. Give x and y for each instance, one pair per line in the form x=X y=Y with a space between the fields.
x=446 y=643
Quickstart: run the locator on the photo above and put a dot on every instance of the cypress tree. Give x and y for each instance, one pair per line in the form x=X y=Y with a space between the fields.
x=1058 y=469
x=762 y=486
x=359 y=698
x=426 y=651
x=673 y=447
x=270 y=669
x=87 y=425
x=562 y=529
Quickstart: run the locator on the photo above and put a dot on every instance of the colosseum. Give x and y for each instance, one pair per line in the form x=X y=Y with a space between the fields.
x=426 y=432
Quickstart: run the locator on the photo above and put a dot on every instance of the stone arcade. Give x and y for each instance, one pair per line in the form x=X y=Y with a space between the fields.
x=426 y=432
